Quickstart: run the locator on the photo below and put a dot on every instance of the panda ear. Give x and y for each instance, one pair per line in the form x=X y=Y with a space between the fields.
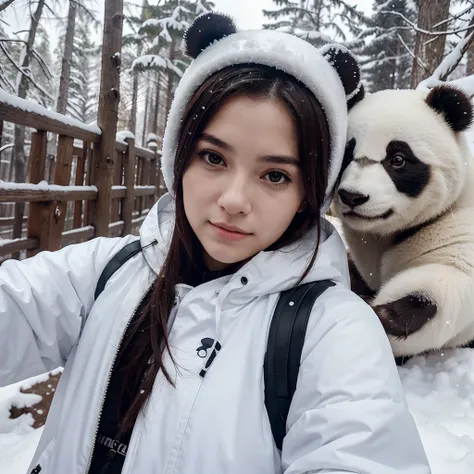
x=206 y=29
x=453 y=104
x=347 y=67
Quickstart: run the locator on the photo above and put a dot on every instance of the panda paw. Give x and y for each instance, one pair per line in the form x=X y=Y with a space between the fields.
x=406 y=315
x=358 y=285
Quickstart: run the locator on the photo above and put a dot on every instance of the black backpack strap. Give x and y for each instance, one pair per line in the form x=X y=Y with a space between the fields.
x=115 y=263
x=285 y=345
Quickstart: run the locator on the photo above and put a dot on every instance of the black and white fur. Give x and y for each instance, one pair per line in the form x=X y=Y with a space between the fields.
x=406 y=202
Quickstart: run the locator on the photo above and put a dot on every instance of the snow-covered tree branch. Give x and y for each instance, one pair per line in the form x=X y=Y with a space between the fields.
x=451 y=61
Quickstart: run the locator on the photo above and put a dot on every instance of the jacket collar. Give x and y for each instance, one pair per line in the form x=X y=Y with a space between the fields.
x=267 y=272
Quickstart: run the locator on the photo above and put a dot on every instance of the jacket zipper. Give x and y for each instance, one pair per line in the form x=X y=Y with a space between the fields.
x=94 y=440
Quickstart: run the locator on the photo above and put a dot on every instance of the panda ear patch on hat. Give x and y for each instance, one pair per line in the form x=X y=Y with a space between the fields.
x=206 y=29
x=355 y=99
x=453 y=104
x=347 y=67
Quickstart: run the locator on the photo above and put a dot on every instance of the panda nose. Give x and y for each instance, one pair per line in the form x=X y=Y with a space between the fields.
x=352 y=199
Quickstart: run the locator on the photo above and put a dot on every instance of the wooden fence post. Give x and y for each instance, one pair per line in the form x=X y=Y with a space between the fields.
x=116 y=181
x=129 y=182
x=89 y=179
x=39 y=212
x=108 y=113
x=62 y=176
x=79 y=181
x=155 y=175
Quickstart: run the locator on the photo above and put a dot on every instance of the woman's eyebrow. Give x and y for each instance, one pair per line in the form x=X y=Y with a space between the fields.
x=216 y=141
x=280 y=160
x=276 y=159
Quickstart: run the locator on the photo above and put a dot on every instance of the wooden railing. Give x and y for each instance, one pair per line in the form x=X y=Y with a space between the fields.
x=72 y=195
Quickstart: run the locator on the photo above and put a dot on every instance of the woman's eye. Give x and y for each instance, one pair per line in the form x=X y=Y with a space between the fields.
x=277 y=177
x=397 y=161
x=211 y=158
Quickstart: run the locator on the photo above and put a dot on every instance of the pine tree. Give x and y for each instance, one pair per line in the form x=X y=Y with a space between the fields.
x=161 y=36
x=387 y=60
x=318 y=21
x=132 y=47
x=41 y=70
x=9 y=55
x=85 y=71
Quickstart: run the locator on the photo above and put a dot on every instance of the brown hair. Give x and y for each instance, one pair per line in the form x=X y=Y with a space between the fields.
x=149 y=332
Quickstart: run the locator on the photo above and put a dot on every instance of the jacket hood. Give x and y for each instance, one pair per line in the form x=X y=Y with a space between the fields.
x=272 y=271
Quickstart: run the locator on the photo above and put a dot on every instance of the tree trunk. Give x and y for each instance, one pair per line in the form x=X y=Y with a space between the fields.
x=1 y=140
x=169 y=92
x=132 y=121
x=67 y=58
x=145 y=115
x=19 y=134
x=393 y=74
x=162 y=111
x=429 y=50
x=157 y=104
x=151 y=107
x=318 y=7
x=104 y=154
x=470 y=61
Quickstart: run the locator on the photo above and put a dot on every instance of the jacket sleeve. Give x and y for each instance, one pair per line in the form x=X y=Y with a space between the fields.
x=349 y=414
x=44 y=301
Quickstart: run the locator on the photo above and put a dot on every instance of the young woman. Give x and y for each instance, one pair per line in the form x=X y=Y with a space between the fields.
x=164 y=370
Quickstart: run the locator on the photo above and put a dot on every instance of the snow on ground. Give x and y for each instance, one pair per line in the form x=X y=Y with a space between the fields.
x=439 y=390
x=440 y=394
x=18 y=439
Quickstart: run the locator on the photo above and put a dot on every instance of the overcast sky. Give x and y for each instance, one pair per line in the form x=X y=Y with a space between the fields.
x=248 y=13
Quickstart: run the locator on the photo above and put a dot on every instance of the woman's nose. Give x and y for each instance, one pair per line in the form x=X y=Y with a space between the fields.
x=235 y=197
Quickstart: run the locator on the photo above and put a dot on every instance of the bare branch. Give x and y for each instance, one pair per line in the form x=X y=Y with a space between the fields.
x=454 y=17
x=412 y=54
x=88 y=12
x=5 y=4
x=426 y=32
x=35 y=55
x=451 y=61
x=51 y=10
x=4 y=79
x=24 y=73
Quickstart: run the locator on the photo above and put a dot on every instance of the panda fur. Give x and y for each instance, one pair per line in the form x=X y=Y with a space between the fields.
x=406 y=203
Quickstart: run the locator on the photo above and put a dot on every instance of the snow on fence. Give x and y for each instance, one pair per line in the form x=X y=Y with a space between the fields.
x=65 y=210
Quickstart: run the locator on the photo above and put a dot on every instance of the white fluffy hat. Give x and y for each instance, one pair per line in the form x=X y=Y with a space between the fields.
x=331 y=73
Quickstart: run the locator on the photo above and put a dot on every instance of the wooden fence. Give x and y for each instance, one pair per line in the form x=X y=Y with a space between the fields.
x=72 y=193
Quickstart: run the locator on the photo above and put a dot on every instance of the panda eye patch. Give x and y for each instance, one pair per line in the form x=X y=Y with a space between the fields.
x=397 y=161
x=408 y=173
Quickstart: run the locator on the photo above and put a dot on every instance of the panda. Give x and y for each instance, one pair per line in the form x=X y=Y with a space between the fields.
x=406 y=204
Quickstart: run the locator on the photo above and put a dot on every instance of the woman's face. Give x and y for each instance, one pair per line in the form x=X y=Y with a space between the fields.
x=243 y=185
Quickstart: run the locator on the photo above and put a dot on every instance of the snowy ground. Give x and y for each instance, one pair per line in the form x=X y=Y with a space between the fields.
x=17 y=438
x=439 y=390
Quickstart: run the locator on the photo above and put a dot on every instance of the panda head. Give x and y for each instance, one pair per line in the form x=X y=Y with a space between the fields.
x=405 y=160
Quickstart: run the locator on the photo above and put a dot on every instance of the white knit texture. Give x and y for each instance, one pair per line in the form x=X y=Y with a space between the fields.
x=270 y=48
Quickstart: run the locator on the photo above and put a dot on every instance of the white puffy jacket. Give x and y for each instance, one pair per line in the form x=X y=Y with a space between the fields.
x=348 y=414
